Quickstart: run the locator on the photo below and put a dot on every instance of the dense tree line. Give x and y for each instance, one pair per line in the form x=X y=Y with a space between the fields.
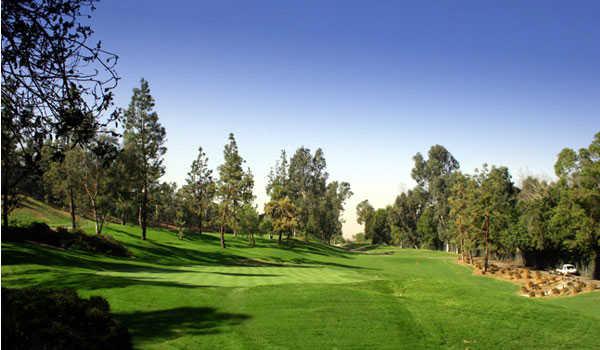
x=486 y=214
x=302 y=201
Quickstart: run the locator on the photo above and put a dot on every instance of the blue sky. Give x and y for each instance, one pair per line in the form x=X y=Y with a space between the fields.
x=372 y=82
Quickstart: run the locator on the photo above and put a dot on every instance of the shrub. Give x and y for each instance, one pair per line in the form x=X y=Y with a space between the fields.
x=34 y=318
x=105 y=244
x=62 y=238
x=532 y=294
x=555 y=291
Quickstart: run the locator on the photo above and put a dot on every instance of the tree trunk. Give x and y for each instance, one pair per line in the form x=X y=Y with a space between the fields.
x=72 y=208
x=156 y=216
x=4 y=209
x=4 y=199
x=144 y=210
x=486 y=234
x=279 y=241
x=222 y=237
x=200 y=217
x=95 y=212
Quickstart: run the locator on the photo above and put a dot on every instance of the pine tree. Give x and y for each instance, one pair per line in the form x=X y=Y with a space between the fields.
x=144 y=138
x=200 y=188
x=234 y=187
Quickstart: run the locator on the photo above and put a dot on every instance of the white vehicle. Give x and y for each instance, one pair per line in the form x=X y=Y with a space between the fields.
x=567 y=269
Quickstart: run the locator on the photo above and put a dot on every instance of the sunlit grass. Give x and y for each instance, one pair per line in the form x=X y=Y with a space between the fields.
x=192 y=294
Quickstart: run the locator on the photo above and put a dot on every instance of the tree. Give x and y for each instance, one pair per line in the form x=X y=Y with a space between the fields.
x=364 y=216
x=278 y=179
x=332 y=206
x=576 y=216
x=124 y=174
x=495 y=209
x=96 y=179
x=434 y=176
x=200 y=188
x=299 y=184
x=462 y=200
x=249 y=222
x=234 y=187
x=163 y=200
x=144 y=138
x=283 y=216
x=404 y=215
x=55 y=82
x=380 y=229
x=64 y=177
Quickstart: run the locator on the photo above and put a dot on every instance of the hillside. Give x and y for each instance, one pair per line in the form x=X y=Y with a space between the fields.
x=192 y=294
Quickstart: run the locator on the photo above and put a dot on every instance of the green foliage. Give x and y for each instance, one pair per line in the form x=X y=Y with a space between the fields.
x=427 y=229
x=199 y=190
x=283 y=214
x=144 y=141
x=58 y=319
x=42 y=233
x=191 y=294
x=234 y=187
x=379 y=230
x=304 y=181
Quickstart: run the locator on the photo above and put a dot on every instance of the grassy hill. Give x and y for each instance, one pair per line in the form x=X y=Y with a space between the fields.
x=192 y=294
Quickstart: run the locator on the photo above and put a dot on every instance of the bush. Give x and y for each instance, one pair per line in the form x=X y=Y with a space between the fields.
x=104 y=244
x=34 y=318
x=62 y=238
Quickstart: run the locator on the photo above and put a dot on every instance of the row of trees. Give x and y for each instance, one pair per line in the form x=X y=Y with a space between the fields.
x=119 y=178
x=485 y=213
x=302 y=201
x=61 y=142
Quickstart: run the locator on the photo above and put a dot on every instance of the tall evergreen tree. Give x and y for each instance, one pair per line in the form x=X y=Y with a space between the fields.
x=234 y=187
x=199 y=188
x=145 y=139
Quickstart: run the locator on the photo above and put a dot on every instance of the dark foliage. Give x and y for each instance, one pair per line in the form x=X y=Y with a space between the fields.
x=42 y=233
x=34 y=318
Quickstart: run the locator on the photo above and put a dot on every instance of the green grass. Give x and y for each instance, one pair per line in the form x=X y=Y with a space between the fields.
x=192 y=294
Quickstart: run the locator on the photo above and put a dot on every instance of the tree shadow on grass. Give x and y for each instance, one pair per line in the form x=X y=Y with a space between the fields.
x=246 y=274
x=26 y=253
x=177 y=322
x=304 y=262
x=90 y=281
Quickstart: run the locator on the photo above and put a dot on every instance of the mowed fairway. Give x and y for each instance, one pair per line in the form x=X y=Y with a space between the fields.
x=191 y=294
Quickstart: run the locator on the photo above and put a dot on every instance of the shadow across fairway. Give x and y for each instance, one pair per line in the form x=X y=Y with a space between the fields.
x=246 y=274
x=34 y=254
x=91 y=281
x=178 y=322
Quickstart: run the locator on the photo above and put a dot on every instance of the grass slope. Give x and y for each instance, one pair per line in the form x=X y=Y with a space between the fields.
x=191 y=294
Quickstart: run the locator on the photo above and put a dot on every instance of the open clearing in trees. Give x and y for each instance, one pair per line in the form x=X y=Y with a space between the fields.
x=191 y=294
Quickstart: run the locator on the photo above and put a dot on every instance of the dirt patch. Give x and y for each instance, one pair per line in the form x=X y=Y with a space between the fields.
x=534 y=283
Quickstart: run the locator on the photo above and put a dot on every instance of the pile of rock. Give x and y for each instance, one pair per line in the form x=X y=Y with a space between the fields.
x=538 y=283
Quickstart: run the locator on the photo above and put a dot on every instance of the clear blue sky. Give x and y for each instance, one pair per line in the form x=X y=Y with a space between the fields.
x=372 y=83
